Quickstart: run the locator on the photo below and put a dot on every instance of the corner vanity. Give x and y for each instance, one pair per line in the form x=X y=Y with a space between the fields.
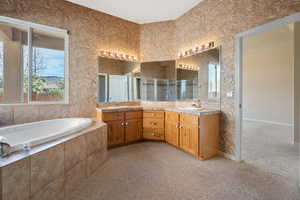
x=153 y=101
x=194 y=131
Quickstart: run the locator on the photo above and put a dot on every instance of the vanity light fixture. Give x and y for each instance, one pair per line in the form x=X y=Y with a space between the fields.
x=119 y=56
x=197 y=49
x=187 y=67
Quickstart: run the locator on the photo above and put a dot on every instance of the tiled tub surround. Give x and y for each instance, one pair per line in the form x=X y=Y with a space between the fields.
x=53 y=170
x=32 y=134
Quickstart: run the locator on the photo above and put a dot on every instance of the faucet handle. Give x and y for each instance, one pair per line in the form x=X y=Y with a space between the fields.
x=4 y=149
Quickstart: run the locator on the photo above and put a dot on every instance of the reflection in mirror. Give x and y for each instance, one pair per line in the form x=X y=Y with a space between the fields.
x=118 y=80
x=158 y=81
x=187 y=83
x=198 y=77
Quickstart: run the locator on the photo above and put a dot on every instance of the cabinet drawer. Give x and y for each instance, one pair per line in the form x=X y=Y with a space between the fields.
x=153 y=123
x=154 y=133
x=172 y=117
x=189 y=120
x=134 y=115
x=113 y=116
x=153 y=114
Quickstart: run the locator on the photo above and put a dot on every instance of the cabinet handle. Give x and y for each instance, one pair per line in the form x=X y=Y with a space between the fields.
x=122 y=123
x=126 y=123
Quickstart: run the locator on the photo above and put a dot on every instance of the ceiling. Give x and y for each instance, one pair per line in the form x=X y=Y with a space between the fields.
x=141 y=11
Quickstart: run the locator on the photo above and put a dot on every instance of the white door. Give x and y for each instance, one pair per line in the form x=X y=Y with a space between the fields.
x=118 y=88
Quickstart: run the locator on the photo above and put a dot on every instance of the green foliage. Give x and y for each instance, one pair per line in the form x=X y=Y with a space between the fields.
x=38 y=84
x=39 y=87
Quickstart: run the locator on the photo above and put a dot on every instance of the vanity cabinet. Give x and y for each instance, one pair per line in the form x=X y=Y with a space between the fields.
x=172 y=128
x=154 y=125
x=189 y=132
x=123 y=127
x=133 y=130
x=196 y=135
x=115 y=133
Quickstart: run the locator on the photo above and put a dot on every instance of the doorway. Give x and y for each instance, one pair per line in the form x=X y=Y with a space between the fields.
x=267 y=123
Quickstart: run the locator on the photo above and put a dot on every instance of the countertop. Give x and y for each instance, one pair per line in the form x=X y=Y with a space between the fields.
x=199 y=112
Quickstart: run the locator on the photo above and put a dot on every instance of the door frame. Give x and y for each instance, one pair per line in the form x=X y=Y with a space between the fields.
x=239 y=74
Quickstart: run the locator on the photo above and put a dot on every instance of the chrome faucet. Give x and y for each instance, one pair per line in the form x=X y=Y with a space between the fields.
x=4 y=147
x=198 y=104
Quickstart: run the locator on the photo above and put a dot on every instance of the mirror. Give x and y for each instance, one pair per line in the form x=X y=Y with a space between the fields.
x=187 y=82
x=198 y=77
x=158 y=81
x=118 y=80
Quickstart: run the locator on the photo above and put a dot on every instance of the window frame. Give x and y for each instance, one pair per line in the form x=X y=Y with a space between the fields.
x=30 y=26
x=217 y=93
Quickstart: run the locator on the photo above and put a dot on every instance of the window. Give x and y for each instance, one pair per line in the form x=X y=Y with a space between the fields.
x=213 y=81
x=33 y=63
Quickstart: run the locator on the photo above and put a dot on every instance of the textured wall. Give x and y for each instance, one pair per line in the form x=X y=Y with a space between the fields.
x=90 y=32
x=218 y=21
x=158 y=41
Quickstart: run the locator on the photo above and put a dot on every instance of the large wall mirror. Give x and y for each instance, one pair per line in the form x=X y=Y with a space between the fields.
x=158 y=81
x=198 y=77
x=118 y=80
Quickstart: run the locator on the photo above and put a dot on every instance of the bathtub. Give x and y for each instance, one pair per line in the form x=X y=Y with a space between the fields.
x=25 y=136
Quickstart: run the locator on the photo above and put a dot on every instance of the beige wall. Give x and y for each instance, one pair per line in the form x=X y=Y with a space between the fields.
x=158 y=41
x=217 y=21
x=93 y=31
x=90 y=33
x=268 y=60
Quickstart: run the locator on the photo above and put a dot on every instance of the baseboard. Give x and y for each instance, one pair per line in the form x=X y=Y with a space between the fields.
x=268 y=122
x=228 y=156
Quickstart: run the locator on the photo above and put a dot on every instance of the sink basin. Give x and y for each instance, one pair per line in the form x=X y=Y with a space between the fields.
x=192 y=108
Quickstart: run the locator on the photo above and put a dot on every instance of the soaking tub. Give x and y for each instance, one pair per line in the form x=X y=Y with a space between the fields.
x=61 y=150
x=25 y=136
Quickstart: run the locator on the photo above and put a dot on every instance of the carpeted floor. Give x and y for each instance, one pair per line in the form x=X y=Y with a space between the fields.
x=157 y=171
x=269 y=148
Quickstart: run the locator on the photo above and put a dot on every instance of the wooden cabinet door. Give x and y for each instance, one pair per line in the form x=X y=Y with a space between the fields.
x=189 y=133
x=172 y=128
x=133 y=130
x=115 y=135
